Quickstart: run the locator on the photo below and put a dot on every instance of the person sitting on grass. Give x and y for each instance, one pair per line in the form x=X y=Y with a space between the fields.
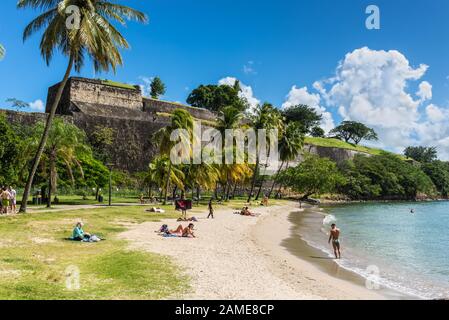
x=186 y=232
x=78 y=233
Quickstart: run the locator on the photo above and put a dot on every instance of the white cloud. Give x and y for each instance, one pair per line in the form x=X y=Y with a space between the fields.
x=37 y=105
x=246 y=91
x=425 y=91
x=435 y=113
x=371 y=86
x=145 y=85
x=302 y=96
x=248 y=68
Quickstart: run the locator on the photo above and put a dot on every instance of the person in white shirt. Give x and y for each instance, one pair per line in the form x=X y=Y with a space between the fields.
x=12 y=200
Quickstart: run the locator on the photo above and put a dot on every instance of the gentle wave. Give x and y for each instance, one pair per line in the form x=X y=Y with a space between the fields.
x=368 y=271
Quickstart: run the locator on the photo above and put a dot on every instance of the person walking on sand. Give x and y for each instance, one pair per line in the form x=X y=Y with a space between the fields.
x=211 y=209
x=334 y=236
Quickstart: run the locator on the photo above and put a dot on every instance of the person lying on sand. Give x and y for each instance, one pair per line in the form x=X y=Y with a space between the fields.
x=186 y=232
x=187 y=219
x=334 y=236
x=245 y=212
x=157 y=210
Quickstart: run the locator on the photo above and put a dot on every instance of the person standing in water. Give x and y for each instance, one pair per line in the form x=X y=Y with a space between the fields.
x=334 y=236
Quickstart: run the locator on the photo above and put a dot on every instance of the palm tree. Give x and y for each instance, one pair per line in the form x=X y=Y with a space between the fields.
x=66 y=143
x=94 y=37
x=290 y=146
x=159 y=173
x=180 y=119
x=266 y=117
x=202 y=175
x=229 y=118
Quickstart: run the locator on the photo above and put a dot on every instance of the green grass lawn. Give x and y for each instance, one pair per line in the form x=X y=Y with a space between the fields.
x=34 y=257
x=335 y=143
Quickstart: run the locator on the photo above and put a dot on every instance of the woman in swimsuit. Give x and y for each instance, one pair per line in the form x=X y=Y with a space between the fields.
x=186 y=232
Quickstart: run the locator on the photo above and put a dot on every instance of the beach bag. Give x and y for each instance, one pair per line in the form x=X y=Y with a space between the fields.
x=94 y=238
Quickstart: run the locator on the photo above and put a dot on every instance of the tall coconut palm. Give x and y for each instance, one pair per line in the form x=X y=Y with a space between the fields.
x=266 y=117
x=180 y=119
x=159 y=173
x=66 y=143
x=201 y=176
x=290 y=146
x=93 y=36
x=229 y=118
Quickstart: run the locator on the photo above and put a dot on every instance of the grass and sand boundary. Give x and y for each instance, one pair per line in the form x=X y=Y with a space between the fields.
x=234 y=257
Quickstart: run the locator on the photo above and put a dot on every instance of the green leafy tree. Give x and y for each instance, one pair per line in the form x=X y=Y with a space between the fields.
x=65 y=144
x=315 y=175
x=353 y=131
x=157 y=88
x=317 y=132
x=265 y=117
x=229 y=118
x=385 y=176
x=95 y=174
x=217 y=97
x=162 y=173
x=438 y=172
x=421 y=154
x=17 y=104
x=290 y=146
x=90 y=35
x=305 y=116
x=10 y=152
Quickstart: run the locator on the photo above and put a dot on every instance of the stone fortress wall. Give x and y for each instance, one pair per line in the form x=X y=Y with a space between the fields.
x=92 y=104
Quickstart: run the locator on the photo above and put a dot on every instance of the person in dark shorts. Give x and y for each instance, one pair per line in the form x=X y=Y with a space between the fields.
x=211 y=209
x=334 y=237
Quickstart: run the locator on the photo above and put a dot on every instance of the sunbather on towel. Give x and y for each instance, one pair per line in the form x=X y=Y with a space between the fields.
x=186 y=232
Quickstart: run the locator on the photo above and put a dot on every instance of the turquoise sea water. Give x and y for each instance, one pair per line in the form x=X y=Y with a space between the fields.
x=405 y=251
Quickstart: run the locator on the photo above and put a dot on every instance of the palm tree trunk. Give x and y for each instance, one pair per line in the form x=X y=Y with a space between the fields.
x=52 y=178
x=198 y=195
x=281 y=184
x=253 y=183
x=167 y=182
x=42 y=143
x=50 y=187
x=233 y=191
x=260 y=188
x=275 y=178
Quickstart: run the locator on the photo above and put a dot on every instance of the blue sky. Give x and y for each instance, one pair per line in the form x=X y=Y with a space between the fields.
x=270 y=46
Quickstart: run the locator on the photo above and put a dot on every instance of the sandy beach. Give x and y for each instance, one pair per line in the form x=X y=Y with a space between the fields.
x=237 y=257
